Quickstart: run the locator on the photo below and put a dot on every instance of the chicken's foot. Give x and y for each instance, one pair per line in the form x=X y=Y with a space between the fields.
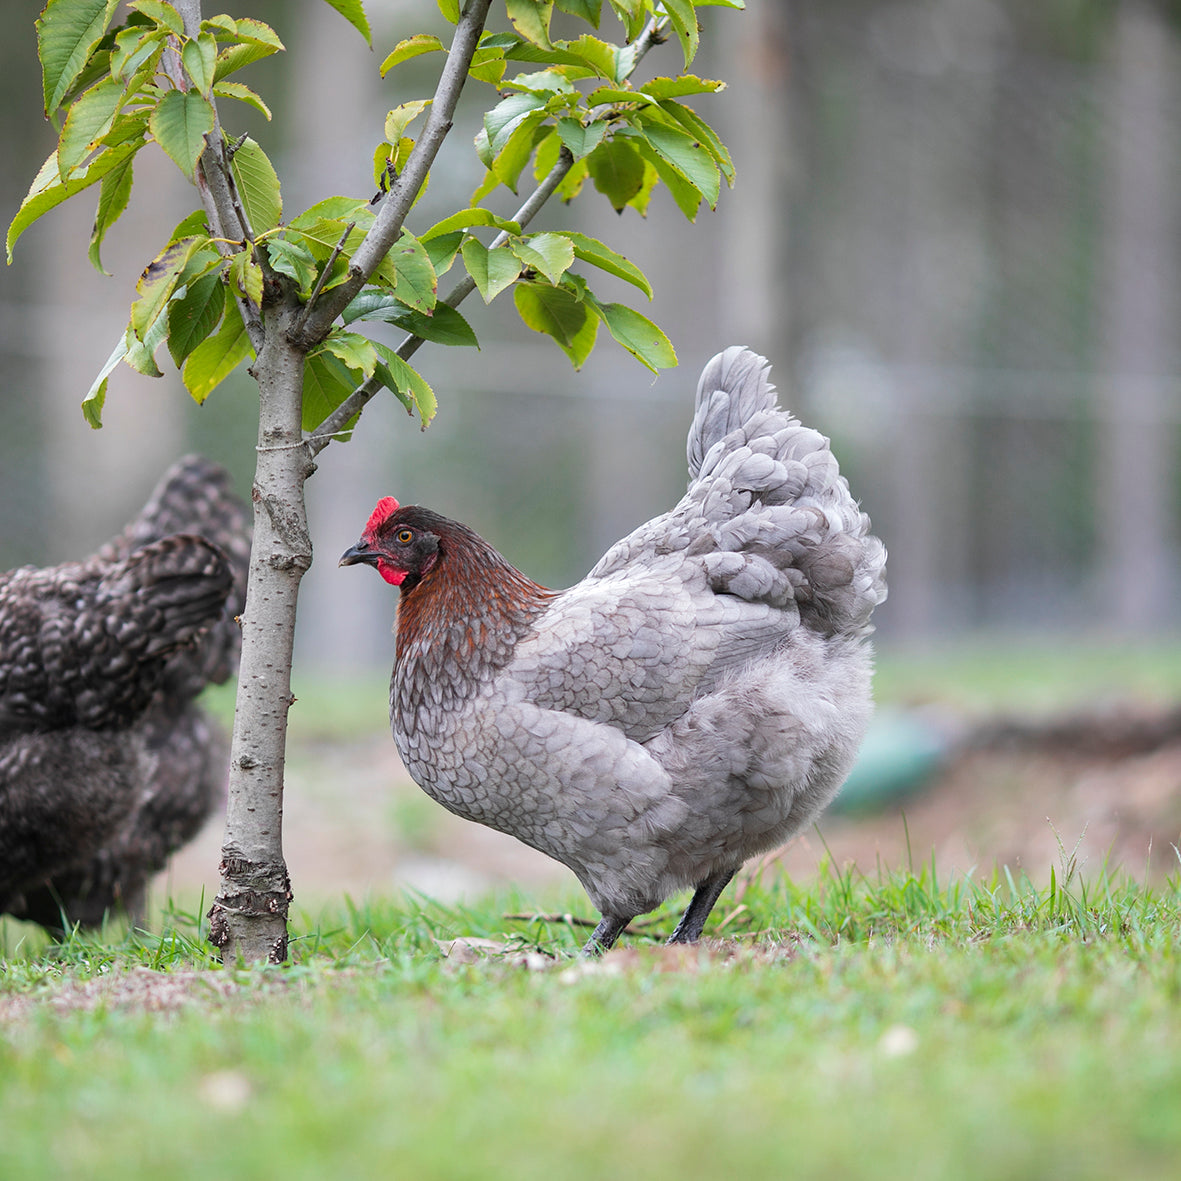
x=692 y=922
x=604 y=935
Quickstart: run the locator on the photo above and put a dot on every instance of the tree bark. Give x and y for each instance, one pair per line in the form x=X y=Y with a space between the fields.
x=248 y=919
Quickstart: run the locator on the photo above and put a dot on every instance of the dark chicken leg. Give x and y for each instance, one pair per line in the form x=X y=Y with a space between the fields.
x=688 y=930
x=604 y=935
x=693 y=920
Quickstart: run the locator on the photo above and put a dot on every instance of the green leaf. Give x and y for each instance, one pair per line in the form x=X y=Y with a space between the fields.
x=642 y=199
x=90 y=118
x=593 y=251
x=242 y=94
x=47 y=190
x=179 y=124
x=407 y=267
x=510 y=161
x=141 y=355
x=401 y=117
x=617 y=96
x=442 y=250
x=550 y=254
x=355 y=350
x=687 y=156
x=126 y=129
x=327 y=381
x=412 y=47
x=450 y=10
x=194 y=224
x=236 y=56
x=662 y=88
x=488 y=65
x=214 y=359
x=113 y=195
x=492 y=270
x=549 y=148
x=293 y=260
x=558 y=313
x=96 y=396
x=409 y=384
x=684 y=193
x=587 y=10
x=637 y=334
x=506 y=116
x=581 y=138
x=444 y=326
x=226 y=25
x=133 y=46
x=260 y=41
x=199 y=59
x=194 y=315
x=617 y=171
x=531 y=18
x=67 y=33
x=158 y=281
x=684 y=20
x=256 y=31
x=470 y=217
x=543 y=82
x=163 y=14
x=601 y=56
x=354 y=13
x=258 y=186
x=703 y=133
x=572 y=183
x=633 y=14
x=344 y=209
x=322 y=237
x=246 y=276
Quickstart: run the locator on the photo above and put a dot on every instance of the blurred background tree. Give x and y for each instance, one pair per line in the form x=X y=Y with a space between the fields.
x=955 y=232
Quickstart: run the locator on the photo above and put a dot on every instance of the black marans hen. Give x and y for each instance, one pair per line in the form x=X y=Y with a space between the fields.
x=107 y=764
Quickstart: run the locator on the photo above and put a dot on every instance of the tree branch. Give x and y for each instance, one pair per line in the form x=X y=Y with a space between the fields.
x=336 y=422
x=385 y=230
x=325 y=270
x=654 y=33
x=215 y=183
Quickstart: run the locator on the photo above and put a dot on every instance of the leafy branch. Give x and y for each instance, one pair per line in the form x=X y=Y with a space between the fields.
x=240 y=280
x=336 y=423
x=578 y=116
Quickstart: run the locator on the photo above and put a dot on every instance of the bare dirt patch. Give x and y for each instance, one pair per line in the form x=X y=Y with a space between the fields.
x=135 y=989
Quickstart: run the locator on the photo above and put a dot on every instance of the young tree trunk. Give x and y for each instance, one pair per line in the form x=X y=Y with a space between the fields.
x=248 y=920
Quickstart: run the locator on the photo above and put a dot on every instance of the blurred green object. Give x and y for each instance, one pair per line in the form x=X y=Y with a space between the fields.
x=903 y=750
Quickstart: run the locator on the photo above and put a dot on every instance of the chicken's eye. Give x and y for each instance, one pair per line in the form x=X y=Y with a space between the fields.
x=404 y=536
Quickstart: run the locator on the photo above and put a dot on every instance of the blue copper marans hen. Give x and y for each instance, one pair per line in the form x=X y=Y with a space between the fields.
x=692 y=702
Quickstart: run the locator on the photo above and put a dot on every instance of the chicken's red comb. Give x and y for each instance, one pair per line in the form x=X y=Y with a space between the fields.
x=386 y=507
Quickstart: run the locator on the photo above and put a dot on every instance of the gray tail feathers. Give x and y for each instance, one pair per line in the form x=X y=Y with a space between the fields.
x=733 y=388
x=777 y=509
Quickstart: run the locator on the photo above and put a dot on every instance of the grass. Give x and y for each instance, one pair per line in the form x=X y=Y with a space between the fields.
x=1039 y=673
x=893 y=1027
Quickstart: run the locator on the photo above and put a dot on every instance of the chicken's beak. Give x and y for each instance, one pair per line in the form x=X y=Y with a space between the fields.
x=358 y=554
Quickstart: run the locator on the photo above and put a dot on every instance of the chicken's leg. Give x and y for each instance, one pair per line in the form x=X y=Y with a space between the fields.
x=693 y=920
x=604 y=935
